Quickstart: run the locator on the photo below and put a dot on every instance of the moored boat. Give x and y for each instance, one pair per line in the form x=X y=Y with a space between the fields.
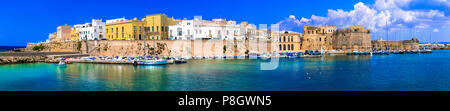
x=179 y=61
x=152 y=62
x=62 y=63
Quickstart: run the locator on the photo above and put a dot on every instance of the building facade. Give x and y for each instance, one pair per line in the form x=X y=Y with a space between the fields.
x=222 y=29
x=151 y=27
x=52 y=37
x=74 y=35
x=317 y=38
x=91 y=31
x=123 y=29
x=289 y=41
x=158 y=25
x=63 y=32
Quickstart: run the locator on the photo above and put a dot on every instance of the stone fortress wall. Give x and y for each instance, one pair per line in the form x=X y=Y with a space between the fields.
x=175 y=48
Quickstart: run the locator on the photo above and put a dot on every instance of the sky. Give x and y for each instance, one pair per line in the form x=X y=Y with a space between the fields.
x=25 y=21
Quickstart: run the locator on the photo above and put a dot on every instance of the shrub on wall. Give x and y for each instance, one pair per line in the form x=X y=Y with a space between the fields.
x=38 y=48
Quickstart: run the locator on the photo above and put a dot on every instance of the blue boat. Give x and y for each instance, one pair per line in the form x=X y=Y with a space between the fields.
x=151 y=62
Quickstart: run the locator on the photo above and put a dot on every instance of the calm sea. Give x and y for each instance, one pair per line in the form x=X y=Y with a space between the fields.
x=414 y=72
x=7 y=48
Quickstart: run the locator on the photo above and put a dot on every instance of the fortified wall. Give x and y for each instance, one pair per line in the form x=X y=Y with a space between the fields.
x=55 y=46
x=396 y=45
x=175 y=47
x=352 y=38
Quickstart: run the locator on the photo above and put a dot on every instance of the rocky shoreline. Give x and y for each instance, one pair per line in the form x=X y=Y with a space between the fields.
x=21 y=59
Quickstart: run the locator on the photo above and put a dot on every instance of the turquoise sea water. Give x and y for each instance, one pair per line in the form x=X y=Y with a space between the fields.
x=410 y=72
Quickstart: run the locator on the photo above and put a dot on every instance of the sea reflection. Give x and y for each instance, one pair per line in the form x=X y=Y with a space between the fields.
x=110 y=77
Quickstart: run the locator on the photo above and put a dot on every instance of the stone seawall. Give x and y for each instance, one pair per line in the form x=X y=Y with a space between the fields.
x=174 y=47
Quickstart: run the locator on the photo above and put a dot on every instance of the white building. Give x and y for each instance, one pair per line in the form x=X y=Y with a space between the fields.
x=214 y=29
x=91 y=31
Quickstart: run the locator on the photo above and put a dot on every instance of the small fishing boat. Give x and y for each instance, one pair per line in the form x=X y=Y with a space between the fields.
x=355 y=52
x=62 y=63
x=428 y=51
x=179 y=61
x=170 y=61
x=401 y=52
x=151 y=62
x=253 y=55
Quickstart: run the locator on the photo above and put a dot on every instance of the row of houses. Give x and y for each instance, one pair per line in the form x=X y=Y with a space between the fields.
x=158 y=27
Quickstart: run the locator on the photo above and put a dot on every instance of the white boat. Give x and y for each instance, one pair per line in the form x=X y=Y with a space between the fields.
x=152 y=62
x=253 y=55
x=61 y=63
x=170 y=61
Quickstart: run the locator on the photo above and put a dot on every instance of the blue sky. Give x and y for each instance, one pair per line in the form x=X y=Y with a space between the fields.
x=32 y=21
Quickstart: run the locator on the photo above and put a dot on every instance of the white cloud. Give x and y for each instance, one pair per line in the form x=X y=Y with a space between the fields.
x=393 y=14
x=444 y=2
x=435 y=30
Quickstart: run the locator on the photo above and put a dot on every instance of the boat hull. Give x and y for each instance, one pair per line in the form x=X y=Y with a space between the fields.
x=152 y=62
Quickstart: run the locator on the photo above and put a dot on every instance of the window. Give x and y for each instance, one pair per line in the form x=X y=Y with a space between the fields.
x=134 y=29
x=122 y=30
x=180 y=32
x=292 y=46
x=289 y=47
x=153 y=29
x=284 y=47
x=106 y=30
x=280 y=46
x=284 y=38
x=157 y=28
x=140 y=29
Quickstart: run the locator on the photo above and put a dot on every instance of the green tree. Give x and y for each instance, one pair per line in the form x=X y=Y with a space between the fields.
x=224 y=49
x=79 y=45
x=38 y=48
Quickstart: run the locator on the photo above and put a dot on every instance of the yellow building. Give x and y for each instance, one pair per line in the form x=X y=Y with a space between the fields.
x=74 y=35
x=158 y=25
x=125 y=30
x=52 y=37
x=122 y=29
